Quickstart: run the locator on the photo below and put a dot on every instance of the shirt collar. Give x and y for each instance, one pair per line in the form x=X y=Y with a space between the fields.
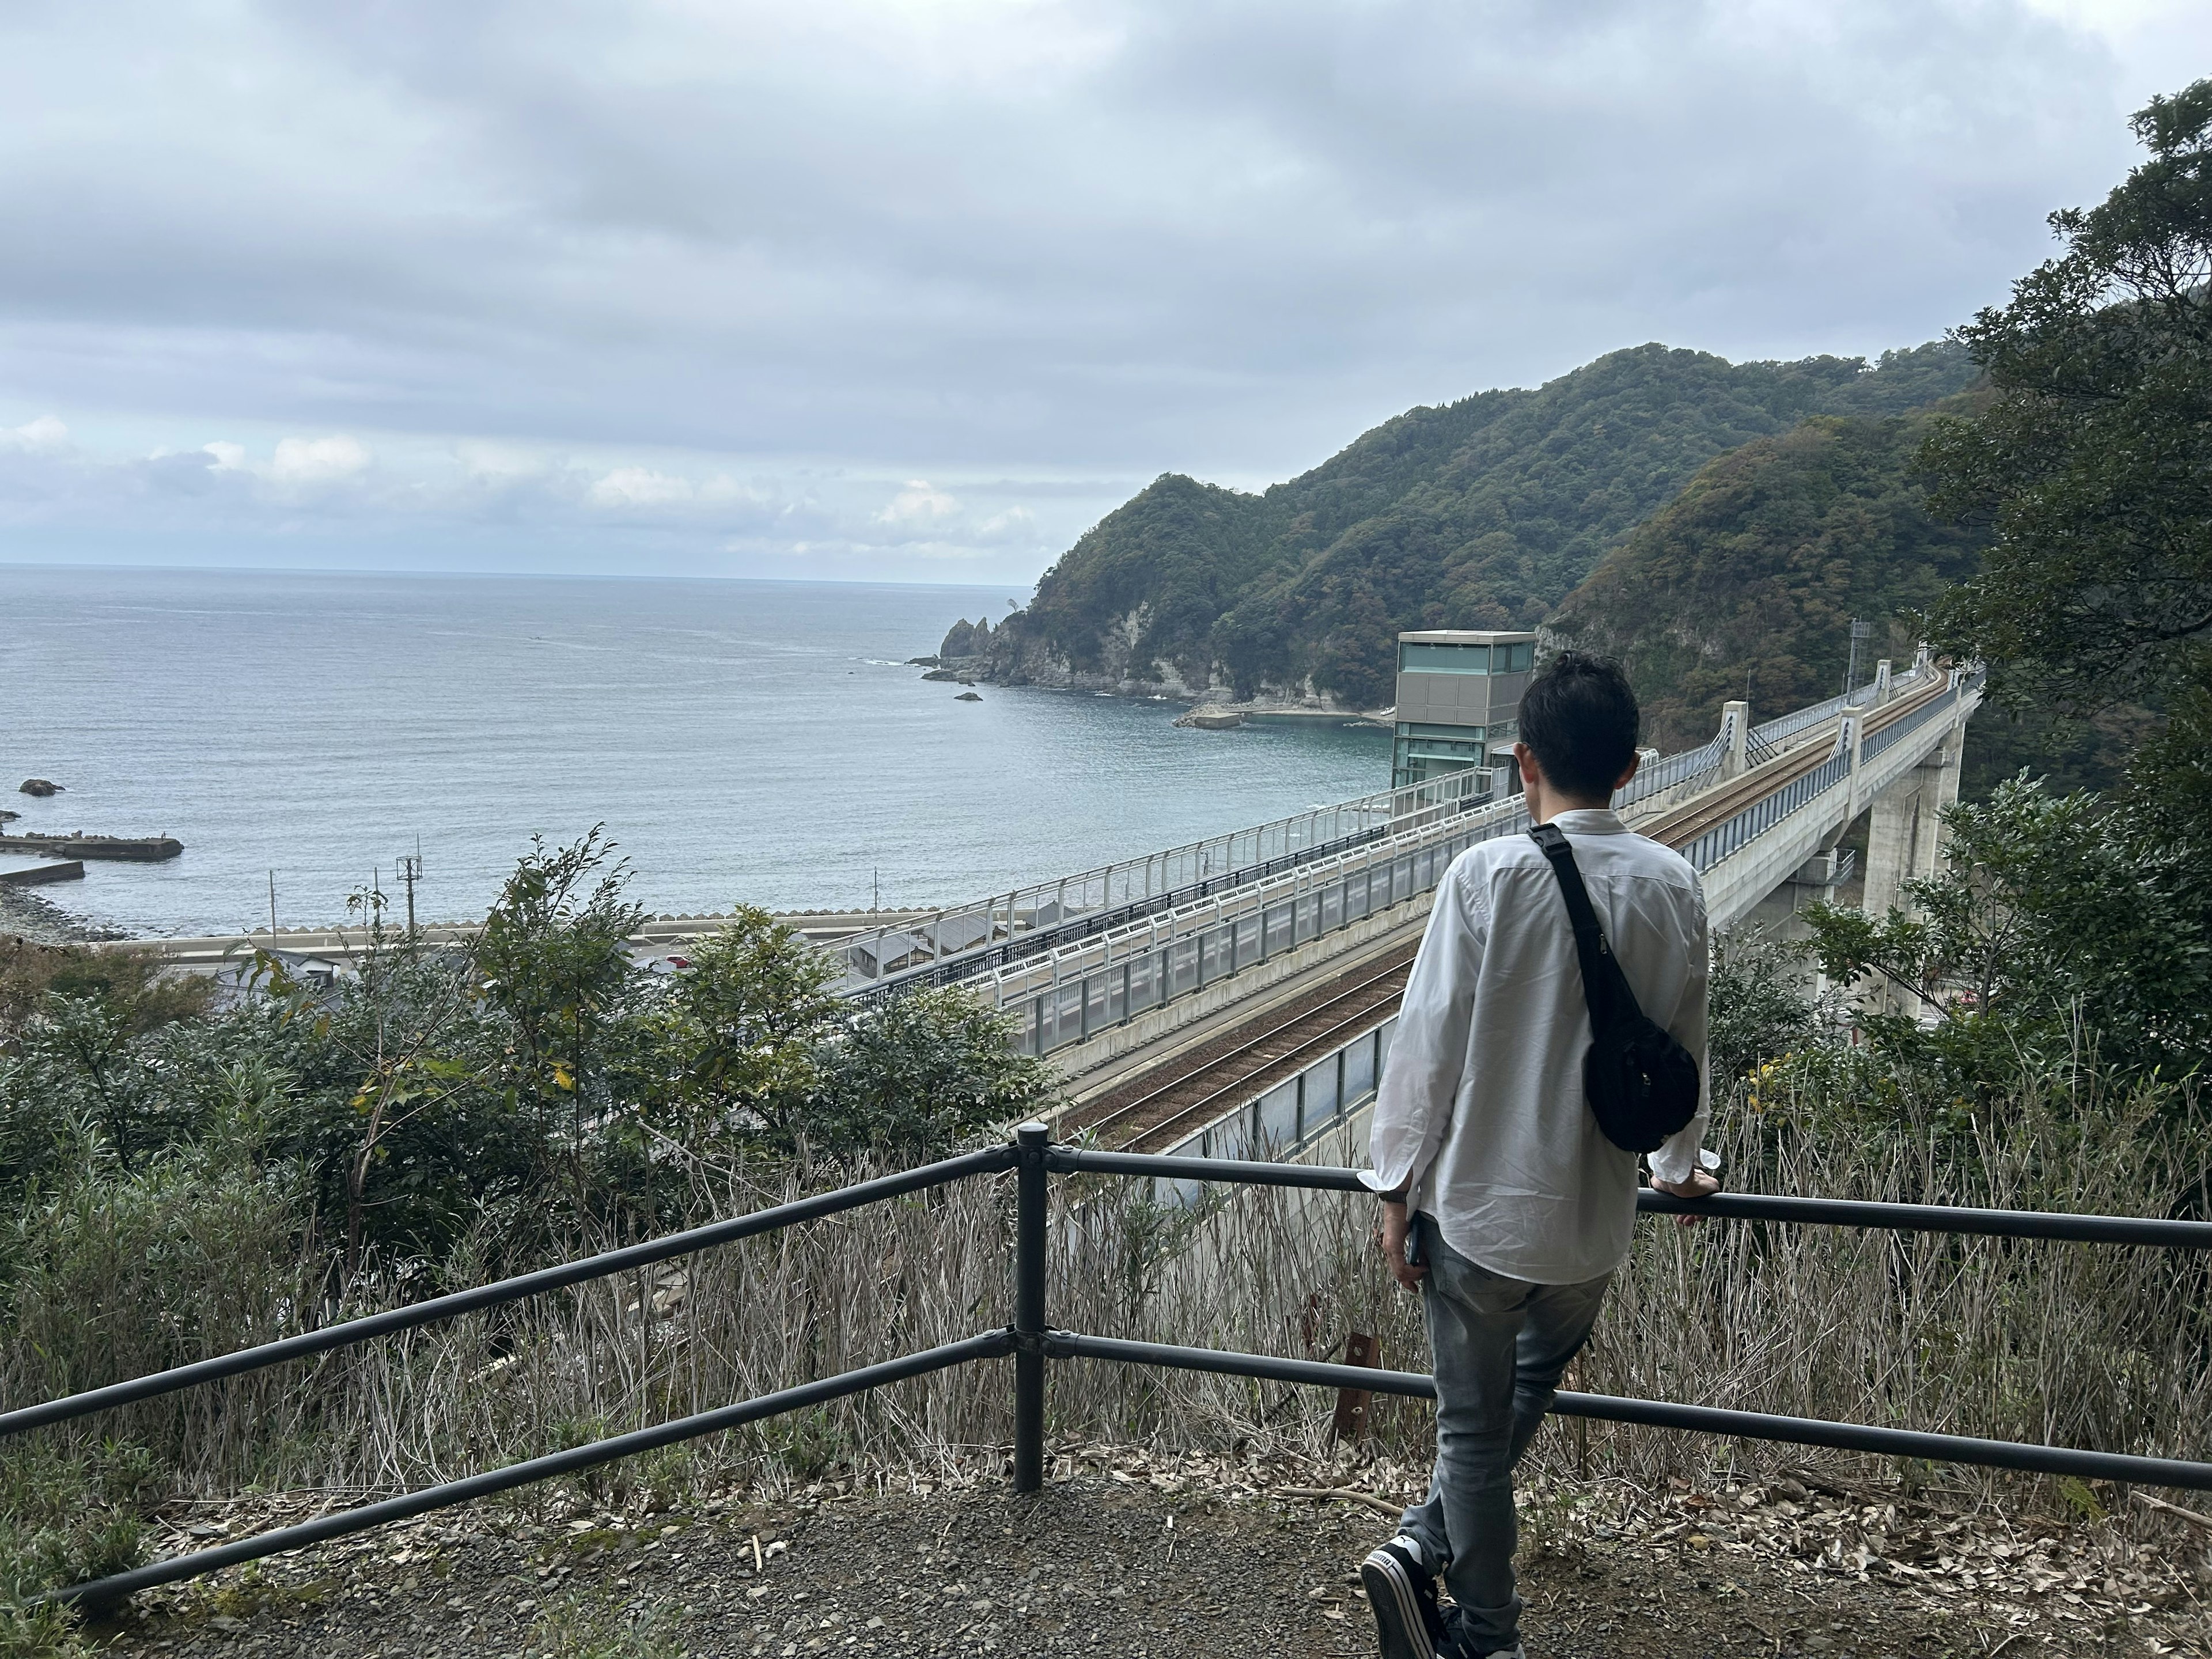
x=1590 y=821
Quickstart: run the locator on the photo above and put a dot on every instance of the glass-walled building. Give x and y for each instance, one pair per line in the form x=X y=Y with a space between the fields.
x=1459 y=701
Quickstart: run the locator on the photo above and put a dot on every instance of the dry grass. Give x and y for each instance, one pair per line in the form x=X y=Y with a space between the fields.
x=2087 y=1346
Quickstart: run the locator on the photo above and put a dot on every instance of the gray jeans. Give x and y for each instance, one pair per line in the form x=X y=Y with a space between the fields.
x=1500 y=1347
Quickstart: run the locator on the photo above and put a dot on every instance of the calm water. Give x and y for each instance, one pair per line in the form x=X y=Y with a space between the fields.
x=743 y=741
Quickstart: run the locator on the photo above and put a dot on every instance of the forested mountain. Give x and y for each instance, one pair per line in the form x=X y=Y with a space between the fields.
x=1746 y=583
x=1481 y=513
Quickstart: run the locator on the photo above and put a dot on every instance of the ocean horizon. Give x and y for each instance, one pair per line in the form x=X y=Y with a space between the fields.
x=742 y=741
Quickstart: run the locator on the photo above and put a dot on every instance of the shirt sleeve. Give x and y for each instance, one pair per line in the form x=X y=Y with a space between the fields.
x=1428 y=1051
x=1677 y=1156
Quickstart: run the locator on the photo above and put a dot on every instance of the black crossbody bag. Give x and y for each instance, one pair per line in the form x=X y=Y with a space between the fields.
x=1642 y=1084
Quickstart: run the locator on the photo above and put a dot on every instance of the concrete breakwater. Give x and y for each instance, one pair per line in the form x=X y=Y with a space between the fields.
x=132 y=850
x=38 y=875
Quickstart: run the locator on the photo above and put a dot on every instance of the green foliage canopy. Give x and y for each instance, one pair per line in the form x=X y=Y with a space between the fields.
x=2093 y=463
x=2062 y=925
x=1480 y=513
x=1746 y=583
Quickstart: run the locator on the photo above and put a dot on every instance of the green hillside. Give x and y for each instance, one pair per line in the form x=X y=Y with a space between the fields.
x=1484 y=512
x=1747 y=581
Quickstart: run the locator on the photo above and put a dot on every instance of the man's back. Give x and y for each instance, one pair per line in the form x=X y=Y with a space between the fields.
x=1482 y=1115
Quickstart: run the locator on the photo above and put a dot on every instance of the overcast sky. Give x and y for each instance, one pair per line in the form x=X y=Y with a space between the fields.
x=917 y=289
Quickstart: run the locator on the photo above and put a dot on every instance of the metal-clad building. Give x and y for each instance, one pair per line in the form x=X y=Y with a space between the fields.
x=1459 y=697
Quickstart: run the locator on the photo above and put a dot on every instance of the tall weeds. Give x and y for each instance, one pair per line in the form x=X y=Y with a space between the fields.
x=2089 y=1345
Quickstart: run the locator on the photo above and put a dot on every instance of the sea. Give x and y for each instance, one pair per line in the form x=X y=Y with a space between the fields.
x=740 y=742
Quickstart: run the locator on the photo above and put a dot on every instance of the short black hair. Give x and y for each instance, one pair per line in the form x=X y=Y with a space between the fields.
x=1580 y=717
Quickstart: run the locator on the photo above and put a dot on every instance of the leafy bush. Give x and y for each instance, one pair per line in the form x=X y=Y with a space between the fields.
x=1759 y=1007
x=2064 y=925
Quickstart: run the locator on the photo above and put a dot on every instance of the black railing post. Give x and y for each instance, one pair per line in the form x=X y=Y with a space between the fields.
x=1031 y=1197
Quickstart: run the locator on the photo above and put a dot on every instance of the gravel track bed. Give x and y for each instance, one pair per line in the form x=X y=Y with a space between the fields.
x=1202 y=1070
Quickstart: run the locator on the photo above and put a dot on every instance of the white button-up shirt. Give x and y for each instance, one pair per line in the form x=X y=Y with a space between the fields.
x=1481 y=1115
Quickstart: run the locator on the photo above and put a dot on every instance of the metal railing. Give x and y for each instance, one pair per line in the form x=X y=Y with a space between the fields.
x=963 y=940
x=1284 y=1120
x=1772 y=733
x=1066 y=995
x=1031 y=1342
x=1735 y=833
x=1072 y=992
x=1880 y=738
x=1730 y=835
x=1690 y=767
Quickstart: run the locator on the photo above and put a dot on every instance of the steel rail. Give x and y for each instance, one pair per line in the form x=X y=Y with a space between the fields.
x=1682 y=824
x=1121 y=1112
x=101 y=1592
x=1294 y=1053
x=988 y=1161
x=2171 y=1472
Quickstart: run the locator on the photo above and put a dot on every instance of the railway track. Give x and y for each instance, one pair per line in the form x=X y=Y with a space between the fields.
x=1152 y=1112
x=1683 y=825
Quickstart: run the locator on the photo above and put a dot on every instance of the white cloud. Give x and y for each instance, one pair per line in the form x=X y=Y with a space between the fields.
x=1016 y=522
x=45 y=435
x=750 y=272
x=919 y=503
x=638 y=486
x=316 y=460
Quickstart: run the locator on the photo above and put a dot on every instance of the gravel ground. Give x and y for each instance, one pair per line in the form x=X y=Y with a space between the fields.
x=1123 y=1562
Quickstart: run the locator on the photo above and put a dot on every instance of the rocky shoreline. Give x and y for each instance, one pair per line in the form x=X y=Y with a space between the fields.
x=27 y=916
x=972 y=655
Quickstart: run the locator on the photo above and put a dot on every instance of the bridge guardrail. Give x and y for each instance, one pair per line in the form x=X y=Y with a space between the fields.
x=1673 y=771
x=1716 y=843
x=1068 y=995
x=963 y=938
x=1031 y=1342
x=1771 y=733
x=960 y=942
x=1722 y=839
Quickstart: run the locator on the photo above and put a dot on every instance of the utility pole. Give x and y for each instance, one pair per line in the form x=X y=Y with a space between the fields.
x=273 y=909
x=410 y=872
x=1860 y=632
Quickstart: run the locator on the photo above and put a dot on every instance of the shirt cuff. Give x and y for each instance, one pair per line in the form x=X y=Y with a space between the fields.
x=1677 y=1161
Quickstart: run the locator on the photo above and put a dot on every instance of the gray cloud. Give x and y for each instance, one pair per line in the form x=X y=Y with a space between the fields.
x=729 y=278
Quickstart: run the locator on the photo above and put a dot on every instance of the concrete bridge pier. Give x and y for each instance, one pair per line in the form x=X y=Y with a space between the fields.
x=1736 y=730
x=1905 y=829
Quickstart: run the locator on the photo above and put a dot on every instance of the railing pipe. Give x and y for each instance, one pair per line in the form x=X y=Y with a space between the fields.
x=106 y=1591
x=1080 y=1160
x=349 y=1331
x=1030 y=1201
x=2173 y=1471
x=1938 y=1218
x=1725 y=1207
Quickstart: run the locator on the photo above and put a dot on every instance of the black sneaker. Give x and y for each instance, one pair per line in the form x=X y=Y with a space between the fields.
x=1403 y=1593
x=1461 y=1645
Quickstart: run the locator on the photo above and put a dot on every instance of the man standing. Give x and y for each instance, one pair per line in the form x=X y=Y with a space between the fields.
x=1503 y=1202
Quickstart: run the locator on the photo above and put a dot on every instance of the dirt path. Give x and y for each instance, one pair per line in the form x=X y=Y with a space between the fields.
x=1124 y=1562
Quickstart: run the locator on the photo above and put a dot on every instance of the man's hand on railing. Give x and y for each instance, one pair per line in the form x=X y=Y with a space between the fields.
x=1702 y=1183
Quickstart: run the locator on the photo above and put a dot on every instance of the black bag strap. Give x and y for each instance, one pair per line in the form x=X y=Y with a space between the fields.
x=1604 y=984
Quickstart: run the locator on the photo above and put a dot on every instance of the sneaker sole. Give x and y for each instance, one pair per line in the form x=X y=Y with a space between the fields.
x=1397 y=1611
